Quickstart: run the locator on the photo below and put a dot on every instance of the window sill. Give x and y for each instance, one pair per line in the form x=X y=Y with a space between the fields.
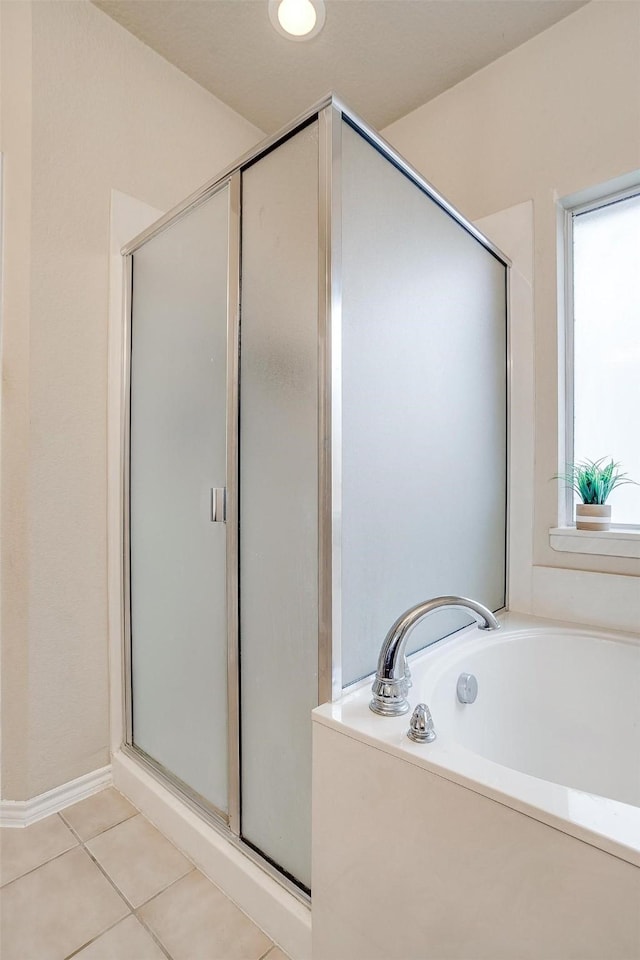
x=619 y=542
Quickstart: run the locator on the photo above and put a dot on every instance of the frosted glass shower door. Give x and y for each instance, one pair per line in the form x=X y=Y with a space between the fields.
x=424 y=381
x=278 y=499
x=177 y=455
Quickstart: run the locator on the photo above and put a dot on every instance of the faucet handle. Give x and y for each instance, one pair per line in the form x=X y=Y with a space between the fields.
x=421 y=729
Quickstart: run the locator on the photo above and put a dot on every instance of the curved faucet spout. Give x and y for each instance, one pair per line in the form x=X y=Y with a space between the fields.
x=390 y=685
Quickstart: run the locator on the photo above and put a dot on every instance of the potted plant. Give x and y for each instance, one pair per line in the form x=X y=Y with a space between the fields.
x=593 y=481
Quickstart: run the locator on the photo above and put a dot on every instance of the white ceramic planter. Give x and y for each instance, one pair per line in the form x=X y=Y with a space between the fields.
x=593 y=516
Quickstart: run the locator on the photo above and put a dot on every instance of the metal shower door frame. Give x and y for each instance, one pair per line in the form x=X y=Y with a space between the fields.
x=330 y=113
x=231 y=819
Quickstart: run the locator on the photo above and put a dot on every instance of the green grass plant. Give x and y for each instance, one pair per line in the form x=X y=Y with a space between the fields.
x=593 y=480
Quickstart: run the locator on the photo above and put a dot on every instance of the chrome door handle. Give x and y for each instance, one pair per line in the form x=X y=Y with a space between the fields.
x=218 y=504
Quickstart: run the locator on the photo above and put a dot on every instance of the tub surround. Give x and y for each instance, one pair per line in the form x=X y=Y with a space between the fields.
x=457 y=847
x=410 y=864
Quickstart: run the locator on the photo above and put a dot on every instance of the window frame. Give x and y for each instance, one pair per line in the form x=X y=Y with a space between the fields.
x=595 y=198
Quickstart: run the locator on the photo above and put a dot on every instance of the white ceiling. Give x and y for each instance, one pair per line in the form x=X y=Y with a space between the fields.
x=383 y=57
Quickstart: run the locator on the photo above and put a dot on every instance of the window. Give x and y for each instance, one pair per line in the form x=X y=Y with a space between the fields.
x=603 y=341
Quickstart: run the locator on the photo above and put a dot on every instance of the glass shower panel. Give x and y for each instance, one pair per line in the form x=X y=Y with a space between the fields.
x=178 y=454
x=278 y=499
x=424 y=410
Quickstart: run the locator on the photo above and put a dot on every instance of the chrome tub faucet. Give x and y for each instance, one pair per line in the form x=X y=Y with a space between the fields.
x=390 y=686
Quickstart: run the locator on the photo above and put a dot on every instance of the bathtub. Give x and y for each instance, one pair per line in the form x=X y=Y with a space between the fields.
x=519 y=826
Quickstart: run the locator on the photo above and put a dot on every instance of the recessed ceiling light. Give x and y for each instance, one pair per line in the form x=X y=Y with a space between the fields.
x=297 y=19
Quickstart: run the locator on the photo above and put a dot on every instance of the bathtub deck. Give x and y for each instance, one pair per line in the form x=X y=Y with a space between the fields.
x=599 y=820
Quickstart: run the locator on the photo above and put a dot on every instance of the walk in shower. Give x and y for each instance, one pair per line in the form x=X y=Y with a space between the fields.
x=316 y=439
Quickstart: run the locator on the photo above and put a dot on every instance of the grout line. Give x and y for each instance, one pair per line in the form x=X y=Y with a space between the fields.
x=80 y=845
x=108 y=829
x=97 y=937
x=100 y=832
x=133 y=911
x=172 y=884
x=160 y=944
x=44 y=863
x=103 y=872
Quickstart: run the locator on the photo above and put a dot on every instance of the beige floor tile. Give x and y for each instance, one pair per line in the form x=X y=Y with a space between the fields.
x=128 y=940
x=139 y=860
x=276 y=954
x=194 y=920
x=23 y=848
x=98 y=813
x=53 y=910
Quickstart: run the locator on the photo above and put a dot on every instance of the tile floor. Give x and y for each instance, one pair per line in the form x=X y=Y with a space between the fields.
x=99 y=882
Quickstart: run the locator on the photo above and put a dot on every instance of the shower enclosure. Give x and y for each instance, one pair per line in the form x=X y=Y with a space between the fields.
x=316 y=432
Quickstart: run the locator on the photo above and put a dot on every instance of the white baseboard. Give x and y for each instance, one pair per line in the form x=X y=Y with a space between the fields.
x=22 y=813
x=276 y=911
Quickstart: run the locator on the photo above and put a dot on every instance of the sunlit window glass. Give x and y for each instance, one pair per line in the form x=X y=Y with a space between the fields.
x=606 y=299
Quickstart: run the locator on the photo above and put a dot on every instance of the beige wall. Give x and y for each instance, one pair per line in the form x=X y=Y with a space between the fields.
x=556 y=115
x=86 y=108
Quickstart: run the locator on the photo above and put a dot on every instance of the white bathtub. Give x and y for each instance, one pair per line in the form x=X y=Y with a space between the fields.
x=554 y=738
x=560 y=705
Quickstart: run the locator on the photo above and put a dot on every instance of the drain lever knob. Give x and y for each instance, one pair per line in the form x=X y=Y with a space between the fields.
x=421 y=725
x=467 y=688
